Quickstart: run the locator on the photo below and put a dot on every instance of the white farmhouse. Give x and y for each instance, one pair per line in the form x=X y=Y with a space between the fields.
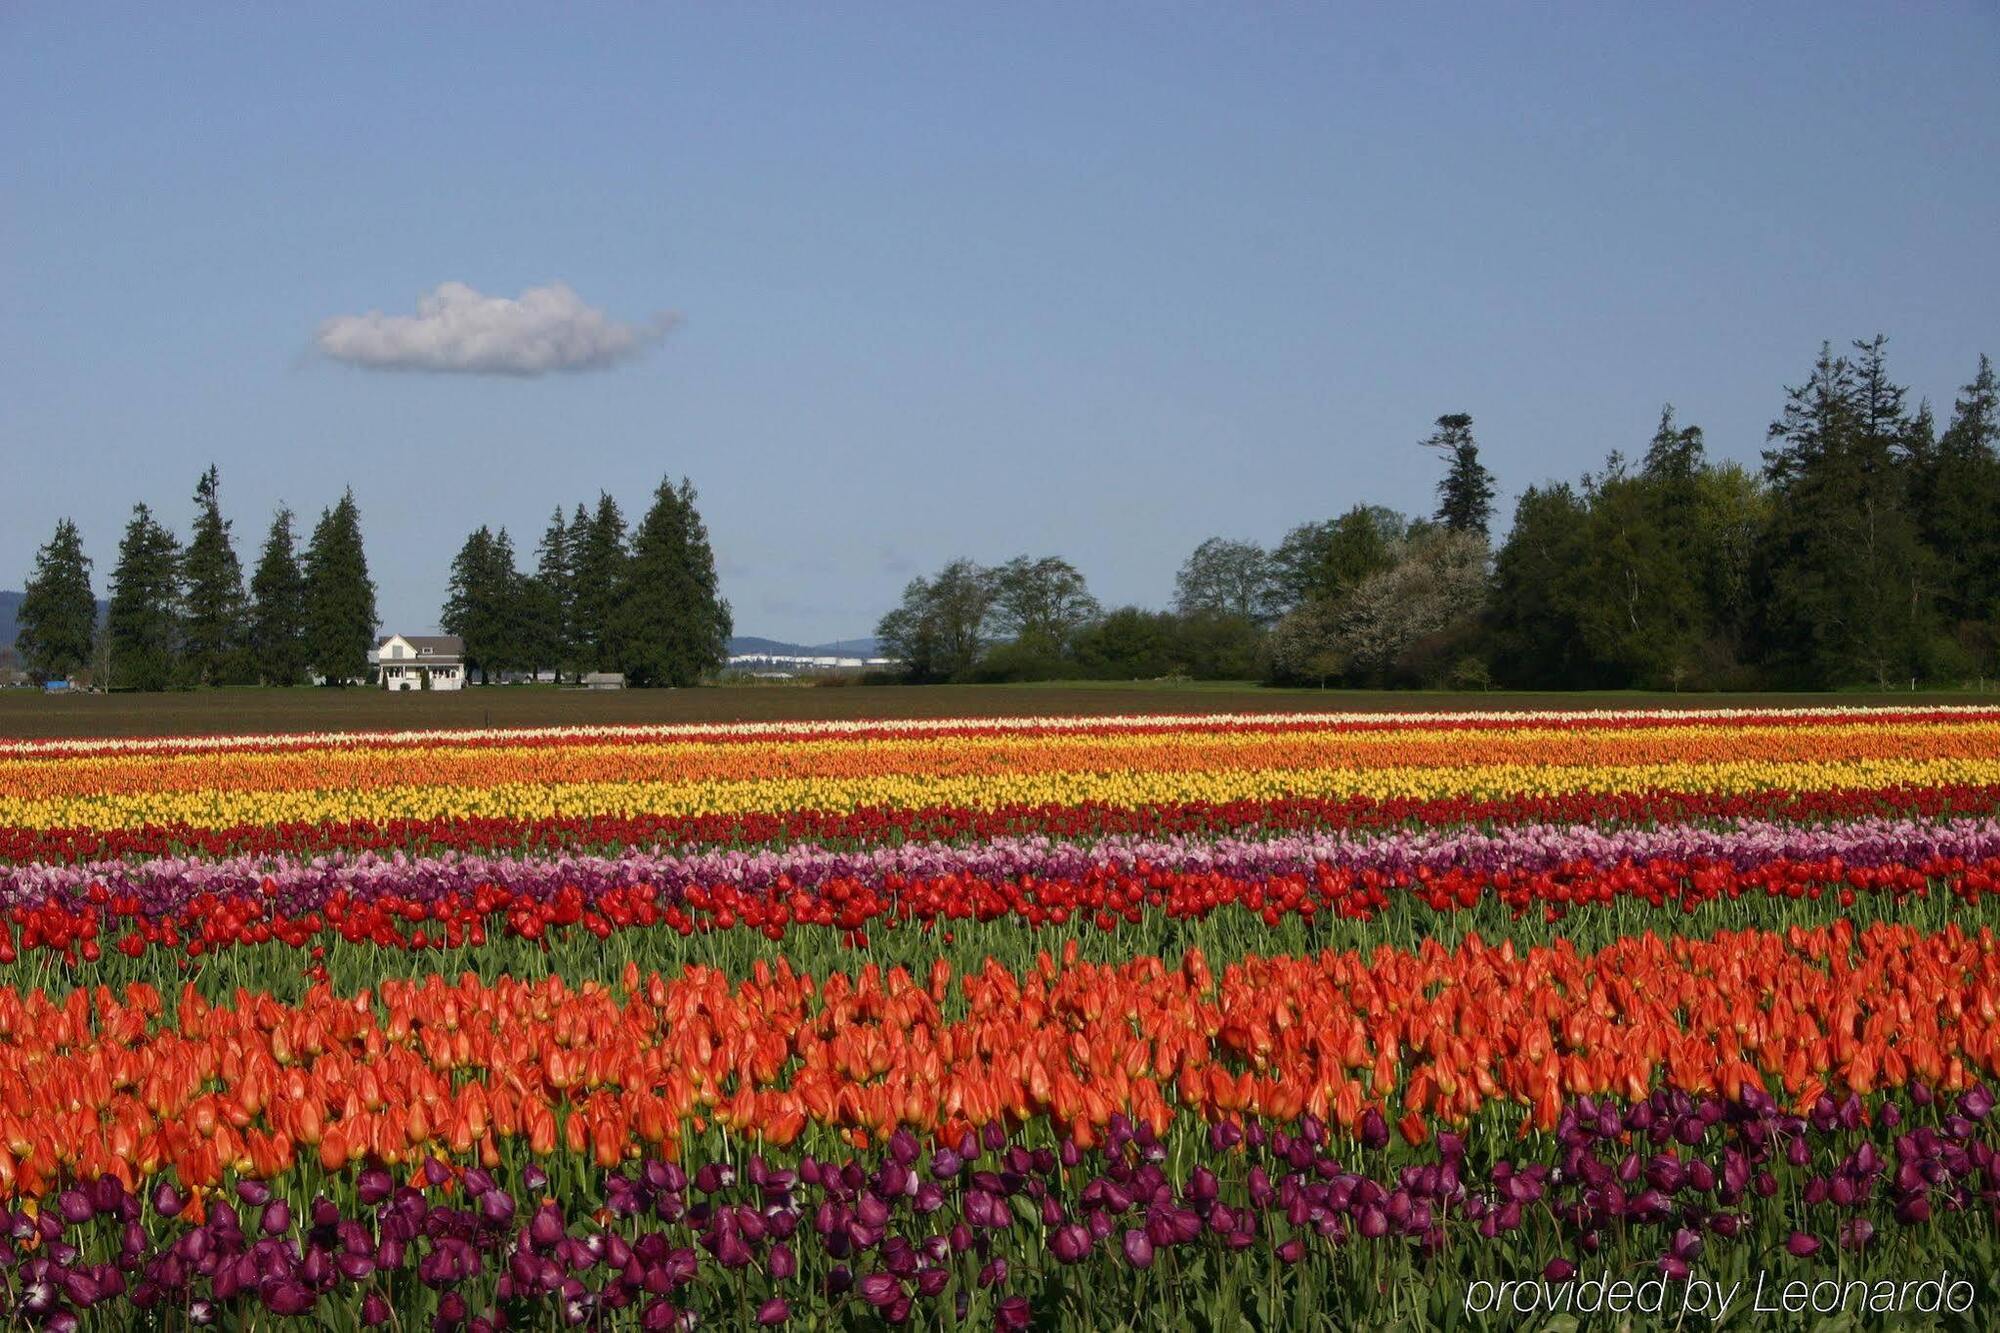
x=421 y=662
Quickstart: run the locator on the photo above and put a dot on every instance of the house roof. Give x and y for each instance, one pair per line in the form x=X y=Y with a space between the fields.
x=439 y=645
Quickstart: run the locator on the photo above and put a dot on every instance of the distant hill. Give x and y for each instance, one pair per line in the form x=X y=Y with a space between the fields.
x=10 y=606
x=749 y=643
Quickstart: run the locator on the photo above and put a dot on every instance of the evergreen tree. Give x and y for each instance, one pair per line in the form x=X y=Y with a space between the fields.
x=1958 y=505
x=486 y=604
x=214 y=633
x=1465 y=495
x=513 y=648
x=143 y=629
x=1843 y=571
x=672 y=626
x=553 y=598
x=469 y=599
x=601 y=559
x=57 y=618
x=278 y=607
x=340 y=597
x=1676 y=453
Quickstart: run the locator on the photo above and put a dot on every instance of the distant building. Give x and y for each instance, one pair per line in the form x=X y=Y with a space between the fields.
x=779 y=665
x=604 y=680
x=421 y=662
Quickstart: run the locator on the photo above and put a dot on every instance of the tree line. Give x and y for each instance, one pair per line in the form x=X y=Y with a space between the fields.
x=1864 y=550
x=181 y=615
x=643 y=603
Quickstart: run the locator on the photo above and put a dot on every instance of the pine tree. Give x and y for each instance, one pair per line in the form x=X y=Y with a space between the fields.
x=1959 y=507
x=1676 y=453
x=673 y=628
x=340 y=598
x=486 y=604
x=1844 y=573
x=1465 y=495
x=278 y=607
x=468 y=601
x=552 y=601
x=601 y=559
x=57 y=618
x=214 y=632
x=143 y=628
x=515 y=646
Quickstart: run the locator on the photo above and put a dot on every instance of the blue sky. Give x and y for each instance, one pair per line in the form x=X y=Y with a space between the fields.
x=1098 y=281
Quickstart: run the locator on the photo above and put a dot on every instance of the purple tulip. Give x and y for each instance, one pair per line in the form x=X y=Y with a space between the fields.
x=373 y=1186
x=880 y=1290
x=783 y=1263
x=287 y=1298
x=167 y=1200
x=1802 y=1246
x=774 y=1311
x=1138 y=1249
x=1070 y=1244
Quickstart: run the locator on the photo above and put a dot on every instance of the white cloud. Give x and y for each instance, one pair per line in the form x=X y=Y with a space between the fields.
x=458 y=329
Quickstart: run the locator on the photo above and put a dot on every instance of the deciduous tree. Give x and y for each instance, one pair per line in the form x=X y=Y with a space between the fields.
x=1225 y=577
x=939 y=630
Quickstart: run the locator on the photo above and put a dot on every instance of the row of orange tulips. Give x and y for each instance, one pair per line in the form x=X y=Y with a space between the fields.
x=102 y=1084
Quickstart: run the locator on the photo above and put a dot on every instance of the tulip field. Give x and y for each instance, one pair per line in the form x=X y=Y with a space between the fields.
x=1232 y=1021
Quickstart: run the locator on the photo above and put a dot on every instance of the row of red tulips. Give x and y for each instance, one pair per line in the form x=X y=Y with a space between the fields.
x=1107 y=898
